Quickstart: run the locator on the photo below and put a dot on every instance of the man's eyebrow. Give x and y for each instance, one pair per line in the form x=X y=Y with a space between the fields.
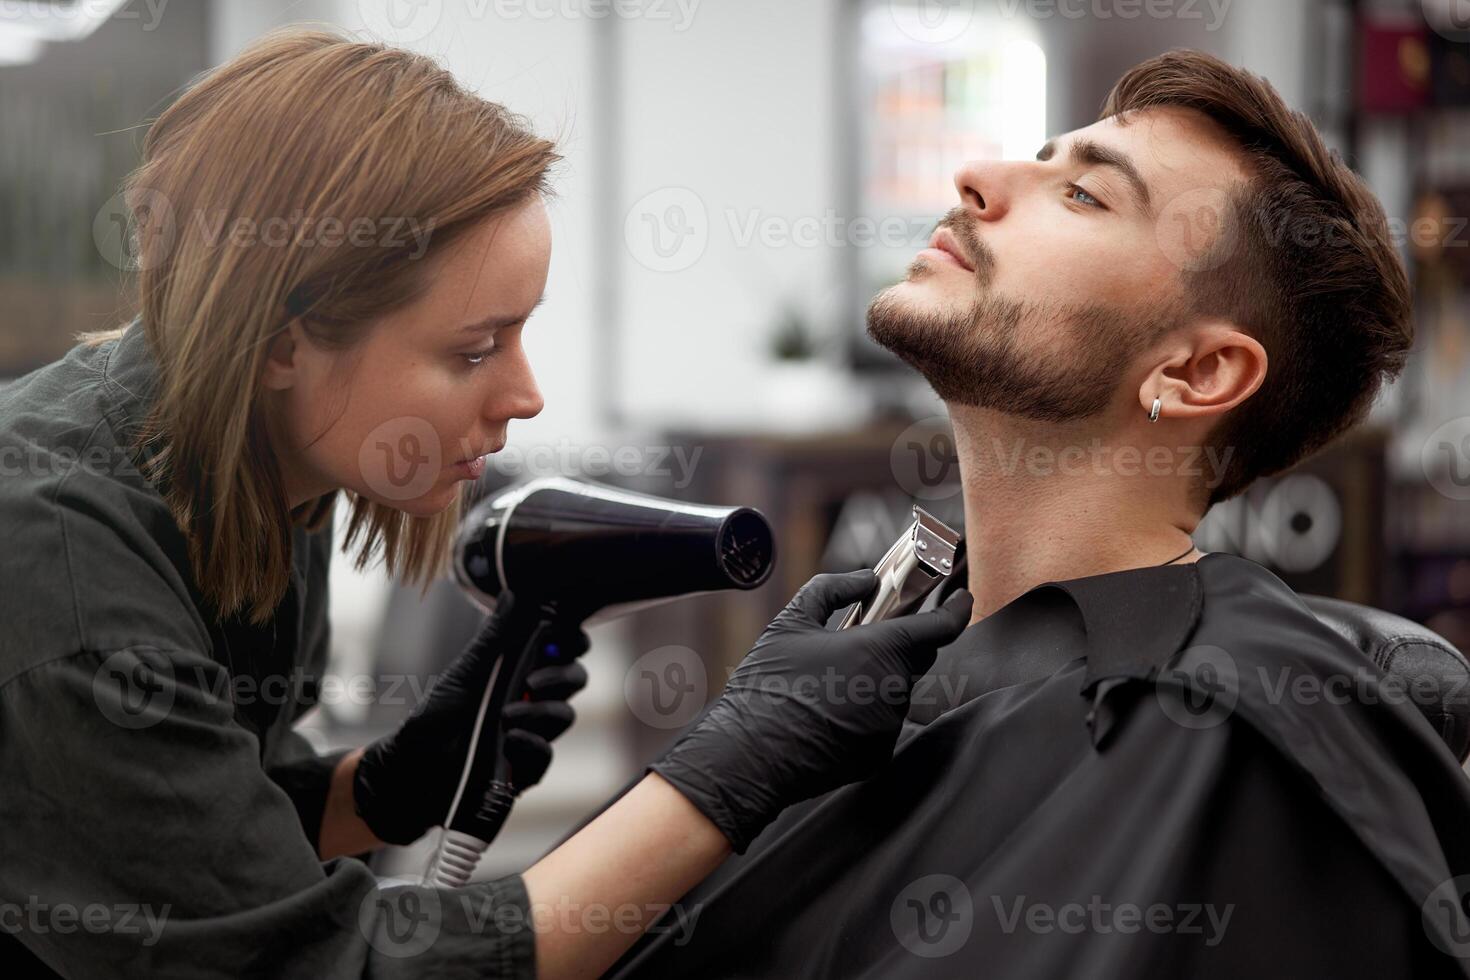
x=1091 y=153
x=496 y=322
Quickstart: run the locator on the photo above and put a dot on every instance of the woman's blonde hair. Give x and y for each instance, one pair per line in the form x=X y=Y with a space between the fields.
x=304 y=129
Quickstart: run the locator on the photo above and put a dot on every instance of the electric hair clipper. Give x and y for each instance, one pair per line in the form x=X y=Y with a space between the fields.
x=922 y=557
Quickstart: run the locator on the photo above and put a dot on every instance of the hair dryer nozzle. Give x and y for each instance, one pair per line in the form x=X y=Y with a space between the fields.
x=596 y=549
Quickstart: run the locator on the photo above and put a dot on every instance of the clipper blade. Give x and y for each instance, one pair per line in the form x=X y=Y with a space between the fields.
x=914 y=566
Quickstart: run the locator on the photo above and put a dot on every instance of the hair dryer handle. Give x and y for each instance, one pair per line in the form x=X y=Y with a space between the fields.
x=487 y=787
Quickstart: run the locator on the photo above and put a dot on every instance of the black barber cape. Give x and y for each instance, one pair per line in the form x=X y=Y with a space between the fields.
x=158 y=814
x=1125 y=775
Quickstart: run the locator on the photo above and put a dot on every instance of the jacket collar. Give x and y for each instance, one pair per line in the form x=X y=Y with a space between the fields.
x=129 y=385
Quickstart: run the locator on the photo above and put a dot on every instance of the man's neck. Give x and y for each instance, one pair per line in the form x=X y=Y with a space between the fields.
x=1033 y=515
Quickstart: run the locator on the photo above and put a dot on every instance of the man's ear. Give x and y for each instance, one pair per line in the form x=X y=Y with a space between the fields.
x=279 y=370
x=1205 y=371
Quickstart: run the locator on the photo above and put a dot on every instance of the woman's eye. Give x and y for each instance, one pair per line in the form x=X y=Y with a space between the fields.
x=1092 y=202
x=479 y=357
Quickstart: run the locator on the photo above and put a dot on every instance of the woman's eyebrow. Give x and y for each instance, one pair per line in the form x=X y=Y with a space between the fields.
x=496 y=322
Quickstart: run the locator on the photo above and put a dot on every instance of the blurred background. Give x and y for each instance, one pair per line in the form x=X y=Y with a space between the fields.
x=740 y=177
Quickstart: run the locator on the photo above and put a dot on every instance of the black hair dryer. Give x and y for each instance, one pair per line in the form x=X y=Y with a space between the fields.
x=569 y=553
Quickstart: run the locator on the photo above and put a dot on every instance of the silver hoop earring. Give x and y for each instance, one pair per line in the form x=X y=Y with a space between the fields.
x=1153 y=415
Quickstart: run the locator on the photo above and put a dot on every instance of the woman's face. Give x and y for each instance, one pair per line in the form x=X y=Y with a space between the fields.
x=400 y=417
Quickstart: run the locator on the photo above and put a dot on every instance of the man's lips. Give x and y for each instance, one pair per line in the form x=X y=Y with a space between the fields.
x=944 y=240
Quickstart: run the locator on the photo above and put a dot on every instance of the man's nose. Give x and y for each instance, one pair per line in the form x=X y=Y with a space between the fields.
x=986 y=187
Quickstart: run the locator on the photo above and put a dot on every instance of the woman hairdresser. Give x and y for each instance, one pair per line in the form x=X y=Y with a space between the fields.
x=338 y=251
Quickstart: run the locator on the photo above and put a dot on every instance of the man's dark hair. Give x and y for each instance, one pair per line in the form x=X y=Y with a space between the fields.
x=1311 y=273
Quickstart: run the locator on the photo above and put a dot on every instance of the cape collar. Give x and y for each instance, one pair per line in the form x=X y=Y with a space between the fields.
x=1129 y=622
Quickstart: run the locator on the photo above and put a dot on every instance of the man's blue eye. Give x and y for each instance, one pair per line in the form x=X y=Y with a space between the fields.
x=1091 y=201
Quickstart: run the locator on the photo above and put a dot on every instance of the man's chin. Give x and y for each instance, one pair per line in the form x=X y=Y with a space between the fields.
x=907 y=311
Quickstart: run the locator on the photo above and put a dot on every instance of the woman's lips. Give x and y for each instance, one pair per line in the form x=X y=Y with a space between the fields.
x=471 y=469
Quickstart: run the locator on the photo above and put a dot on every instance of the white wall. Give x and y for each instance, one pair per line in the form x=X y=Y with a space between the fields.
x=737 y=109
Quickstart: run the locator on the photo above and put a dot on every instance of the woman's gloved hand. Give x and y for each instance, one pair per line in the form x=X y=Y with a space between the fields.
x=808 y=709
x=405 y=781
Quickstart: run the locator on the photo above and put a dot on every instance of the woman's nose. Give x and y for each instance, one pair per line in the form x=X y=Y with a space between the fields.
x=520 y=398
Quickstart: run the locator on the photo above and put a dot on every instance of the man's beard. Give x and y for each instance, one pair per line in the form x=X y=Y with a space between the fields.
x=973 y=357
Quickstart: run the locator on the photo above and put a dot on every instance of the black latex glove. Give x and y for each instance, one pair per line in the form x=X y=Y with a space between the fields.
x=808 y=709
x=406 y=781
